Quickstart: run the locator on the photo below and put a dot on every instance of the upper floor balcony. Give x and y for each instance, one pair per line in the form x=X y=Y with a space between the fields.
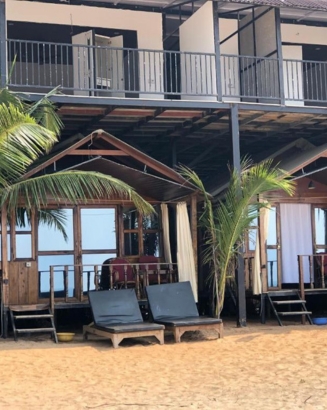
x=106 y=71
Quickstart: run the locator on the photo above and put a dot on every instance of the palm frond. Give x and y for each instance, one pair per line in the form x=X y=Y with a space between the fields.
x=22 y=141
x=53 y=218
x=44 y=112
x=70 y=187
x=225 y=225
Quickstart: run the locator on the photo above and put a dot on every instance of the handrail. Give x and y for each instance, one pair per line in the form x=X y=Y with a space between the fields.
x=141 y=272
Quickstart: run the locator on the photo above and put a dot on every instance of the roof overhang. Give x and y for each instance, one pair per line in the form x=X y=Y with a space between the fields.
x=147 y=185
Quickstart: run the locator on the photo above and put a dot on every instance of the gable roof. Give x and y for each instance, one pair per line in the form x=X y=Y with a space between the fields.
x=290 y=158
x=102 y=143
x=145 y=184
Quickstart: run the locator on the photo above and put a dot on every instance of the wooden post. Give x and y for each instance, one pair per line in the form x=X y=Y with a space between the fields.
x=311 y=267
x=52 y=289
x=96 y=277
x=5 y=272
x=120 y=231
x=77 y=252
x=66 y=283
x=194 y=232
x=322 y=271
x=301 y=282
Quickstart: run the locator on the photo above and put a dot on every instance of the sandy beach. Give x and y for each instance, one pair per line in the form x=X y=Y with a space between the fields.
x=252 y=368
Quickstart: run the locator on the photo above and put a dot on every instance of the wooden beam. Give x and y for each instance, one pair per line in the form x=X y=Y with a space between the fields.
x=107 y=152
x=143 y=158
x=58 y=156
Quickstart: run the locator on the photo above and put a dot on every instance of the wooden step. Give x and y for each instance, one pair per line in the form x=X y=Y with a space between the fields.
x=283 y=293
x=28 y=308
x=302 y=312
x=36 y=330
x=45 y=316
x=288 y=302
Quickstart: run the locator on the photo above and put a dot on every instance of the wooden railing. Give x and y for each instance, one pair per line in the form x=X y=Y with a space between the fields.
x=316 y=264
x=141 y=273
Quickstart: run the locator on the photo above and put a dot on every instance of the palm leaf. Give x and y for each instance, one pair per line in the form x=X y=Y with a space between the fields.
x=22 y=141
x=44 y=112
x=70 y=187
x=226 y=224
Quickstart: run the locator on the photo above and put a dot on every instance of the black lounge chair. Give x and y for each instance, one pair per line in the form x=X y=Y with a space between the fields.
x=117 y=316
x=173 y=305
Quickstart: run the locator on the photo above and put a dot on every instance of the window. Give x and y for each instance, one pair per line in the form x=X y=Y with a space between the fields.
x=151 y=234
x=51 y=239
x=131 y=232
x=273 y=250
x=23 y=234
x=44 y=263
x=99 y=241
x=320 y=229
x=141 y=234
x=53 y=249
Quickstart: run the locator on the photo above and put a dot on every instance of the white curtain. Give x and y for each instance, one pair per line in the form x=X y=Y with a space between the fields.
x=264 y=222
x=296 y=239
x=185 y=256
x=165 y=233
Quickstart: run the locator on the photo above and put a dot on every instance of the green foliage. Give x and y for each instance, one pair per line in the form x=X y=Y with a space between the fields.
x=27 y=132
x=225 y=224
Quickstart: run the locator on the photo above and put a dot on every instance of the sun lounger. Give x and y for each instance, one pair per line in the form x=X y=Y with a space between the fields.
x=117 y=316
x=173 y=305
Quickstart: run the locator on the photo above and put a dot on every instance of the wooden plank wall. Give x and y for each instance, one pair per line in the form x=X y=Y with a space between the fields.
x=23 y=283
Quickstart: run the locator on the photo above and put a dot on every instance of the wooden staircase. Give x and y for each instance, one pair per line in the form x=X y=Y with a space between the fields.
x=32 y=313
x=288 y=298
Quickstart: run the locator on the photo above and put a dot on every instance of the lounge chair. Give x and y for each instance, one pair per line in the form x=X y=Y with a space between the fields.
x=117 y=316
x=173 y=305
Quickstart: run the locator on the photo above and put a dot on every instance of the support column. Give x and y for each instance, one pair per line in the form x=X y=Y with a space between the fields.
x=194 y=230
x=240 y=277
x=217 y=49
x=280 y=57
x=3 y=44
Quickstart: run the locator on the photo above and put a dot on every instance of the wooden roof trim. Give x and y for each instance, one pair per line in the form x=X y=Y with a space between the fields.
x=145 y=159
x=56 y=157
x=123 y=148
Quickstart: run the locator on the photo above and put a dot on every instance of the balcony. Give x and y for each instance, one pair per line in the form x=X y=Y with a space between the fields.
x=38 y=67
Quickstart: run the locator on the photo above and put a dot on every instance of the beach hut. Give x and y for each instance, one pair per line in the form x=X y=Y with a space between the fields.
x=285 y=250
x=40 y=267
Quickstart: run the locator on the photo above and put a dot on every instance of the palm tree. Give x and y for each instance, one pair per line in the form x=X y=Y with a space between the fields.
x=28 y=131
x=225 y=224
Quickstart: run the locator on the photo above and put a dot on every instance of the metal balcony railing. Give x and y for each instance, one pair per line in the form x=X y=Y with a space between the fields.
x=108 y=71
x=104 y=71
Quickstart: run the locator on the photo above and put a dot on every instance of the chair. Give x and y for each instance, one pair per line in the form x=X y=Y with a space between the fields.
x=117 y=316
x=154 y=273
x=173 y=305
x=122 y=273
x=150 y=268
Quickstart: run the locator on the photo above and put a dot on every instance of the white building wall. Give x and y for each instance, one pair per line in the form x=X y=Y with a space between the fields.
x=229 y=62
x=303 y=81
x=147 y=25
x=198 y=72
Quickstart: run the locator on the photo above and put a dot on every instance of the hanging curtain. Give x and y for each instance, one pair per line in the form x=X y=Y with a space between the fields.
x=165 y=233
x=264 y=222
x=296 y=240
x=185 y=256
